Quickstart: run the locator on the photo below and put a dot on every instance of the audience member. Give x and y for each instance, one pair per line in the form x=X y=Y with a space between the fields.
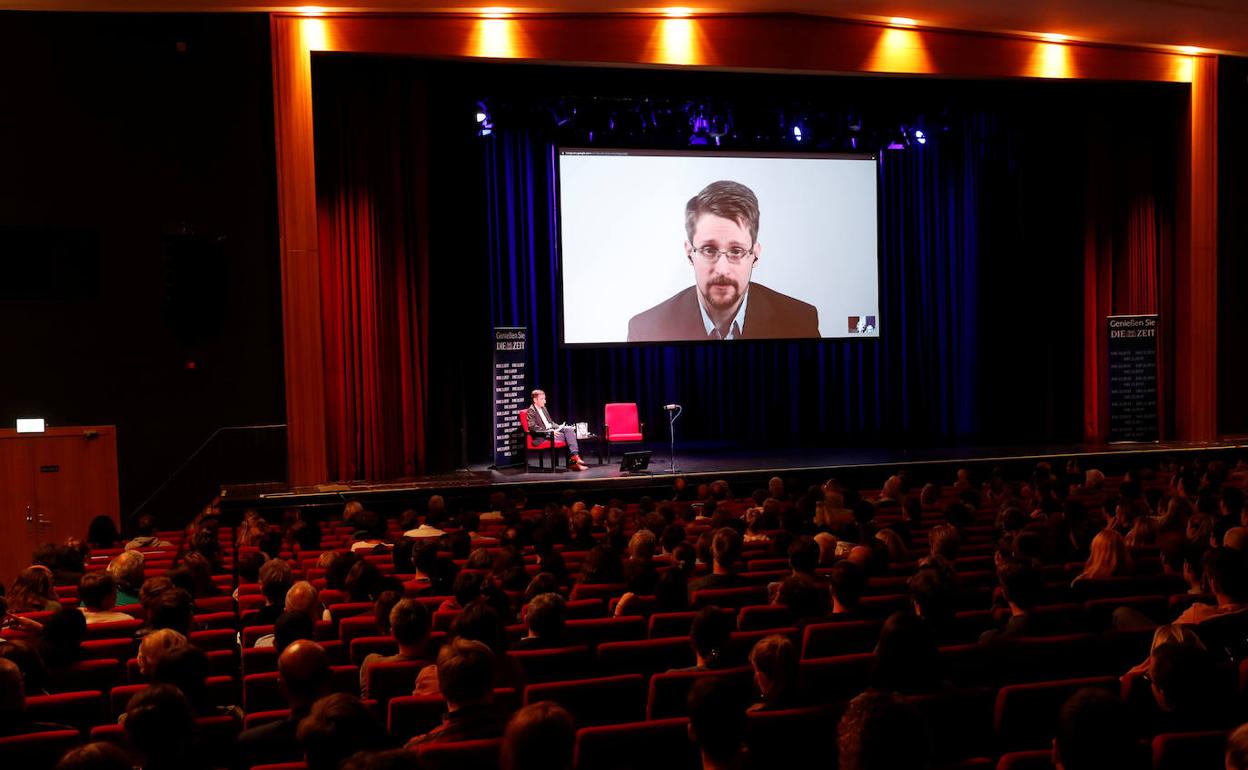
x=98 y=593
x=1094 y=731
x=338 y=726
x=540 y=736
x=303 y=669
x=775 y=662
x=870 y=734
x=410 y=624
x=159 y=729
x=95 y=756
x=545 y=617
x=466 y=679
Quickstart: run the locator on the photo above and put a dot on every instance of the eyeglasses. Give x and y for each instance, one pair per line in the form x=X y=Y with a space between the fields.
x=733 y=255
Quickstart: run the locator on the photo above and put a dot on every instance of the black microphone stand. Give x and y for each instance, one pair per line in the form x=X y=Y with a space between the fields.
x=672 y=414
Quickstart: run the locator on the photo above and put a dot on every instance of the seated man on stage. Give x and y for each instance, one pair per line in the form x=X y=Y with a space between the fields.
x=542 y=424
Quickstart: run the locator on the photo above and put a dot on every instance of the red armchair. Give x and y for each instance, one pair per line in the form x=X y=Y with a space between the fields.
x=621 y=425
x=539 y=445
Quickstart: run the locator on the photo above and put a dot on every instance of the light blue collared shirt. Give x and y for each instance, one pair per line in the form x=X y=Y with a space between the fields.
x=738 y=321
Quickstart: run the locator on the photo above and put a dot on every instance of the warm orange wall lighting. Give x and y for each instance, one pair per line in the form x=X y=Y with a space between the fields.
x=315 y=34
x=1054 y=37
x=678 y=12
x=1050 y=60
x=496 y=38
x=1184 y=68
x=902 y=21
x=495 y=12
x=899 y=50
x=675 y=42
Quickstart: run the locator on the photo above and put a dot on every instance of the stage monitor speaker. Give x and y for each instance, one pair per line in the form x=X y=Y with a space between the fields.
x=635 y=461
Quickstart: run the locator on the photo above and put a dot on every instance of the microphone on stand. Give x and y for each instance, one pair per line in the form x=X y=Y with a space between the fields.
x=671 y=407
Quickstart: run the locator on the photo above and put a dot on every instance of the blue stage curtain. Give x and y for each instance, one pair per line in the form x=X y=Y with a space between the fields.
x=919 y=382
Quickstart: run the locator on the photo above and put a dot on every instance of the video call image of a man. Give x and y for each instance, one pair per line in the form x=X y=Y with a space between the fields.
x=721 y=224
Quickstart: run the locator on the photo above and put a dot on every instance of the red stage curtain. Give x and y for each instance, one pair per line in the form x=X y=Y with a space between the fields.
x=374 y=257
x=1129 y=244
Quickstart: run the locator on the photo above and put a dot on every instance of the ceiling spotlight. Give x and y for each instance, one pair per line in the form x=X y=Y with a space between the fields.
x=920 y=136
x=797 y=132
x=902 y=21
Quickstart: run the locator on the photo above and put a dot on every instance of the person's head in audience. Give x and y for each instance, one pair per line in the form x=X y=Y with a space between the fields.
x=102 y=532
x=290 y=627
x=1193 y=569
x=717 y=722
x=539 y=736
x=641 y=545
x=546 y=617
x=12 y=693
x=186 y=668
x=467 y=588
x=673 y=535
x=155 y=646
x=481 y=622
x=338 y=568
x=712 y=628
x=671 y=591
x=905 y=656
x=151 y=590
x=725 y=550
x=1021 y=583
x=775 y=662
x=827 y=548
x=382 y=607
x=896 y=547
x=364 y=582
x=807 y=596
x=542 y=583
x=804 y=555
x=249 y=564
x=63 y=635
x=1094 y=731
x=410 y=624
x=199 y=567
x=1109 y=556
x=303 y=598
x=879 y=731
x=29 y=662
x=1226 y=570
x=933 y=597
x=99 y=755
x=159 y=727
x=1237 y=538
x=338 y=726
x=1184 y=677
x=943 y=540
x=276 y=578
x=601 y=565
x=1237 y=749
x=848 y=582
x=466 y=673
x=303 y=669
x=98 y=591
x=685 y=558
x=171 y=609
x=32 y=590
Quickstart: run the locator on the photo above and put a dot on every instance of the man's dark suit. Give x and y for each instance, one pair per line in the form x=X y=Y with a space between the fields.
x=568 y=434
x=768 y=315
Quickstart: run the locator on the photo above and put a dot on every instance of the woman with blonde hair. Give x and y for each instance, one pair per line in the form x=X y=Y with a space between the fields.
x=157 y=645
x=32 y=591
x=1109 y=557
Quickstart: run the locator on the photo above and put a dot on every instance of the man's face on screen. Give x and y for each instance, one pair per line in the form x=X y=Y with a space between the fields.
x=721 y=283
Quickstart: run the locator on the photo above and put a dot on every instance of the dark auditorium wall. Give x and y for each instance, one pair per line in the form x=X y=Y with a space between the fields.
x=118 y=134
x=1232 y=245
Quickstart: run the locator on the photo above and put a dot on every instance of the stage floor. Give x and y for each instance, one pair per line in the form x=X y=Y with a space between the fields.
x=706 y=461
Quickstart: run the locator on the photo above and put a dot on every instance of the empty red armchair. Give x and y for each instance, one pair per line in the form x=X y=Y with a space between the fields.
x=602 y=701
x=729 y=597
x=541 y=445
x=655 y=745
x=621 y=425
x=463 y=755
x=598 y=630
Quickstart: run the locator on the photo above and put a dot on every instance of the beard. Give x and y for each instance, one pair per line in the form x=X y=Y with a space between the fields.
x=722 y=293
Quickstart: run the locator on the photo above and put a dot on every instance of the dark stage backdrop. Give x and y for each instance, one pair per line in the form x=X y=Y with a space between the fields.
x=982 y=259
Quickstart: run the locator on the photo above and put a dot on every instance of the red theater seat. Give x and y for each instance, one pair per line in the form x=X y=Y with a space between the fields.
x=825 y=640
x=560 y=663
x=598 y=630
x=82 y=710
x=646 y=657
x=607 y=700
x=668 y=692
x=729 y=597
x=37 y=751
x=1025 y=715
x=621 y=425
x=655 y=745
x=393 y=680
x=463 y=755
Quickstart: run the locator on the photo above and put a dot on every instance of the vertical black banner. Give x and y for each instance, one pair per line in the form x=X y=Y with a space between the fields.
x=510 y=354
x=1132 y=352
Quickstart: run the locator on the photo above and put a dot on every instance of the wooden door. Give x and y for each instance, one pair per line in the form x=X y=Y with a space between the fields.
x=51 y=485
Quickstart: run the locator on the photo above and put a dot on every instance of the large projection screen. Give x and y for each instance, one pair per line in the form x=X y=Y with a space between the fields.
x=806 y=267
